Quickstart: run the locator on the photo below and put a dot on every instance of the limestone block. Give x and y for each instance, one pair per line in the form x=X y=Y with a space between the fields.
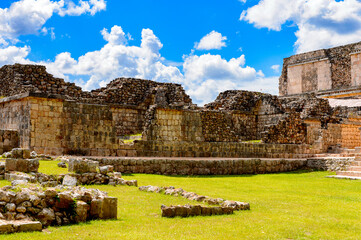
x=105 y=208
x=83 y=166
x=6 y=227
x=69 y=180
x=82 y=209
x=21 y=165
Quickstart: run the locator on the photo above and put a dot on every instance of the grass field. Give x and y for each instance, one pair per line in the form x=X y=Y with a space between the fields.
x=298 y=205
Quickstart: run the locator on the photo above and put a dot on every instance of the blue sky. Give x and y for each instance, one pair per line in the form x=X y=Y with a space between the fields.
x=207 y=46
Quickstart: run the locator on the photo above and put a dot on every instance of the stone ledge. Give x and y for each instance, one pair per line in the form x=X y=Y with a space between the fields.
x=19 y=226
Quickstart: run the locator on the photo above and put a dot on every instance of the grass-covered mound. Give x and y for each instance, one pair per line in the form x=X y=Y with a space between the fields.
x=301 y=205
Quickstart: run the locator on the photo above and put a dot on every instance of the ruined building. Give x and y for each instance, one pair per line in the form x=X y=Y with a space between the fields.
x=49 y=115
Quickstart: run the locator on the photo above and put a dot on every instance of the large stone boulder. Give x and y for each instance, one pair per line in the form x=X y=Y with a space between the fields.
x=46 y=216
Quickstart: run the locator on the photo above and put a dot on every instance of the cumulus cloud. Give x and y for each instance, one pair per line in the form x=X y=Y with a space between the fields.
x=275 y=68
x=14 y=54
x=207 y=75
x=29 y=16
x=320 y=23
x=213 y=40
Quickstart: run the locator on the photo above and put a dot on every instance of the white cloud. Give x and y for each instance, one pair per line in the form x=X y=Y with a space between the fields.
x=320 y=23
x=275 y=68
x=14 y=54
x=115 y=37
x=207 y=75
x=213 y=40
x=91 y=6
x=29 y=16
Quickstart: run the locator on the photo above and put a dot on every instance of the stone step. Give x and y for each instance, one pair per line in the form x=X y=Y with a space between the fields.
x=356 y=163
x=344 y=177
x=349 y=173
x=354 y=168
x=19 y=226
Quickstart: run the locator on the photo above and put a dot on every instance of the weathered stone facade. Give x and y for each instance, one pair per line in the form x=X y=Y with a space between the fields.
x=331 y=72
x=55 y=117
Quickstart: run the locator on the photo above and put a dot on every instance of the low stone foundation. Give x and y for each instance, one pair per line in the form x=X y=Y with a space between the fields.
x=330 y=163
x=199 y=166
x=193 y=210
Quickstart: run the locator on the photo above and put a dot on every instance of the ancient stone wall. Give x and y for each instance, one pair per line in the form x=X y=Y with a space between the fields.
x=202 y=167
x=58 y=126
x=289 y=130
x=15 y=115
x=326 y=69
x=219 y=149
x=9 y=139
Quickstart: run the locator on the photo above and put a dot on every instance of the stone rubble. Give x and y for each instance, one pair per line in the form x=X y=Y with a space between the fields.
x=55 y=206
x=235 y=205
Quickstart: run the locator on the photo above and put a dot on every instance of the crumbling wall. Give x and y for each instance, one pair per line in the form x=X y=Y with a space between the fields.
x=139 y=92
x=9 y=139
x=217 y=126
x=17 y=79
x=290 y=130
x=15 y=115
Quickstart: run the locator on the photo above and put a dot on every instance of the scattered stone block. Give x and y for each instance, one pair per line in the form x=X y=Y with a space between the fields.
x=18 y=182
x=27 y=226
x=105 y=208
x=6 y=227
x=19 y=176
x=82 y=209
x=82 y=166
x=62 y=165
x=21 y=165
x=106 y=169
x=69 y=180
x=109 y=208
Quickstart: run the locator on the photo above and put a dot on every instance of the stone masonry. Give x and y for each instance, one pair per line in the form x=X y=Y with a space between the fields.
x=54 y=117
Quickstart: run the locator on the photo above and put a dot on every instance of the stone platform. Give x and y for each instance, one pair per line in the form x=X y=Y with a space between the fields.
x=200 y=166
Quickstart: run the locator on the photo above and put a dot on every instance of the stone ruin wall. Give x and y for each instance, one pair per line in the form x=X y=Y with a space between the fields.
x=9 y=139
x=321 y=70
x=93 y=123
x=15 y=115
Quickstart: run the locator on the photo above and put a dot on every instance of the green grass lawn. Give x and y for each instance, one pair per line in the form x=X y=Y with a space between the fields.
x=298 y=205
